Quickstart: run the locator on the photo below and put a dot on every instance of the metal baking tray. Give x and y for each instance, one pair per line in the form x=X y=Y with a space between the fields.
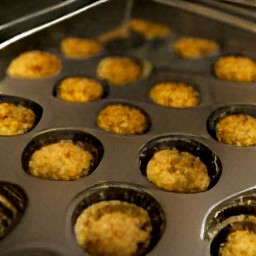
x=183 y=222
x=26 y=15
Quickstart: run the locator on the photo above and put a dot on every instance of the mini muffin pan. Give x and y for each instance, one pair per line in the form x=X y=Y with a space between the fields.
x=183 y=224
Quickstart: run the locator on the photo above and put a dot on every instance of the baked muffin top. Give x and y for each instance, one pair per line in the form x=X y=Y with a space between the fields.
x=34 y=65
x=195 y=47
x=75 y=47
x=149 y=29
x=172 y=170
x=79 y=89
x=15 y=119
x=237 y=130
x=239 y=243
x=174 y=94
x=119 y=70
x=62 y=160
x=122 y=119
x=101 y=228
x=235 y=68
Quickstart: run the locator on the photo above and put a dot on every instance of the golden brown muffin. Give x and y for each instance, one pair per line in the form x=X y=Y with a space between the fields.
x=149 y=29
x=239 y=243
x=62 y=160
x=176 y=95
x=34 y=65
x=116 y=33
x=113 y=228
x=194 y=47
x=15 y=119
x=176 y=171
x=79 y=89
x=122 y=119
x=73 y=47
x=237 y=130
x=119 y=70
x=235 y=68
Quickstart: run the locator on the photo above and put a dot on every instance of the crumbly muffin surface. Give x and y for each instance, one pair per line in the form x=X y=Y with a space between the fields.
x=60 y=161
x=149 y=29
x=34 y=65
x=177 y=95
x=239 y=243
x=176 y=171
x=119 y=70
x=235 y=68
x=237 y=130
x=193 y=47
x=113 y=228
x=122 y=119
x=15 y=119
x=79 y=89
x=73 y=47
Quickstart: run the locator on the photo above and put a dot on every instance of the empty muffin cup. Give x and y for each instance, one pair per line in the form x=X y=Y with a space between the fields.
x=13 y=202
x=123 y=40
x=180 y=164
x=62 y=155
x=233 y=125
x=114 y=218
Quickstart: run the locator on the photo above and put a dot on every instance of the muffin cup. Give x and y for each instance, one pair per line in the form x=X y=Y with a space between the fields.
x=122 y=103
x=225 y=111
x=237 y=212
x=105 y=87
x=124 y=192
x=145 y=65
x=184 y=144
x=19 y=101
x=125 y=43
x=83 y=139
x=13 y=202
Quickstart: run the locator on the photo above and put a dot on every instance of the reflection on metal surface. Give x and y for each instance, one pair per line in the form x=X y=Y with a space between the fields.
x=231 y=209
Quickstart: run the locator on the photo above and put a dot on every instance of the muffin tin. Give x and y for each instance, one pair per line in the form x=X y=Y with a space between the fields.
x=184 y=222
